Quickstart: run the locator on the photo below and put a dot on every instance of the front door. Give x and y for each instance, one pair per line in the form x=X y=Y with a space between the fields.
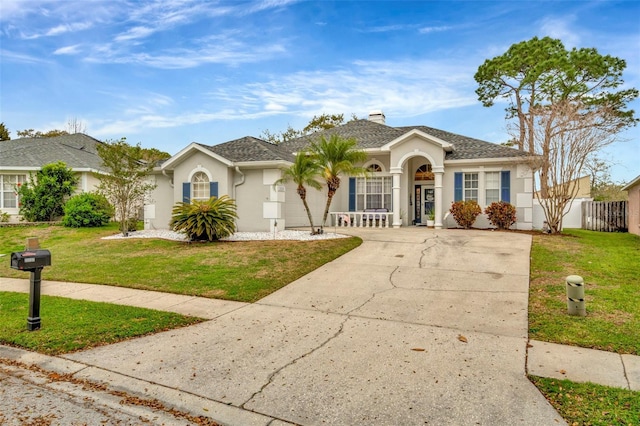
x=428 y=203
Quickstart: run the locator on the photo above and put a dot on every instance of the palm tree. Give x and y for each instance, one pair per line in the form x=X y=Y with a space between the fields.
x=337 y=156
x=303 y=172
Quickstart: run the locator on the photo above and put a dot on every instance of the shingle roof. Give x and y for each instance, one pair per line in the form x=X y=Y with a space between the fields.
x=367 y=133
x=249 y=148
x=375 y=135
x=77 y=151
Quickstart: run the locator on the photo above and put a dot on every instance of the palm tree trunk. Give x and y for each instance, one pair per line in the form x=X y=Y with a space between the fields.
x=306 y=207
x=330 y=195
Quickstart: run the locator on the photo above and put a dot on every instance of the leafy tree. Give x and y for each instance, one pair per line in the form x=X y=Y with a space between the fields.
x=30 y=133
x=43 y=197
x=87 y=210
x=303 y=172
x=205 y=220
x=153 y=154
x=337 y=156
x=124 y=182
x=4 y=133
x=541 y=72
x=571 y=135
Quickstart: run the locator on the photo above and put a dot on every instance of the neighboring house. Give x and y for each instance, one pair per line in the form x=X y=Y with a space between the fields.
x=633 y=188
x=20 y=157
x=581 y=186
x=414 y=170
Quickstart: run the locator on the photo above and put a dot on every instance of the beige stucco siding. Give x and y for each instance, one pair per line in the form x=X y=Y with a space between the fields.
x=634 y=209
x=198 y=161
x=250 y=197
x=157 y=211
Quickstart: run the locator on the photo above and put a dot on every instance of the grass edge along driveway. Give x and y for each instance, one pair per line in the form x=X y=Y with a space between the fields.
x=240 y=271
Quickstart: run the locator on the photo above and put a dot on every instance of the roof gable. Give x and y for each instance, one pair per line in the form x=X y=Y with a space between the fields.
x=77 y=151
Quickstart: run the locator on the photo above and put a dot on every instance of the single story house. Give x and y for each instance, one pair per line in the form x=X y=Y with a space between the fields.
x=633 y=188
x=415 y=170
x=20 y=157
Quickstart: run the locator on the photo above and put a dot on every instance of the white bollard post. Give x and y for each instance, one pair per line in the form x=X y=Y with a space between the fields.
x=575 y=296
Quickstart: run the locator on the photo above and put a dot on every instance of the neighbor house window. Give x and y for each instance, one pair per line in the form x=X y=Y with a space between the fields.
x=471 y=186
x=373 y=193
x=492 y=187
x=8 y=190
x=200 y=188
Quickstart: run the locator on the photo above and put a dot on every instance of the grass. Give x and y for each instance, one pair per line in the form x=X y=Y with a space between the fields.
x=241 y=271
x=610 y=266
x=590 y=404
x=69 y=325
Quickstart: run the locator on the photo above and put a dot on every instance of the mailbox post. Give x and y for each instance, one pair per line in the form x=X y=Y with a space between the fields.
x=33 y=261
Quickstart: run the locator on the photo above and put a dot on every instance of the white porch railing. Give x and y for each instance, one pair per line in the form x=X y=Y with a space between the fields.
x=362 y=219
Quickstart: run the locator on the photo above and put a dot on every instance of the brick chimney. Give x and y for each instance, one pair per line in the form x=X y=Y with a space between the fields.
x=377 y=116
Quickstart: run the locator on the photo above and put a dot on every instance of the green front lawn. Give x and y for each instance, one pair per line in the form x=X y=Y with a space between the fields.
x=590 y=404
x=242 y=271
x=610 y=266
x=69 y=325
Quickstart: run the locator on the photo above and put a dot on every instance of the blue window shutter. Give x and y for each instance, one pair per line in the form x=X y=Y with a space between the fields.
x=457 y=184
x=213 y=189
x=186 y=192
x=505 y=186
x=352 y=194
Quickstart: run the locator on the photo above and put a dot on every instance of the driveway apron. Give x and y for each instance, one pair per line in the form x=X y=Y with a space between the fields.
x=415 y=326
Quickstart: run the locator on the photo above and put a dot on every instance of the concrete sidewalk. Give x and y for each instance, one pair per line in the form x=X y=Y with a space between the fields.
x=413 y=326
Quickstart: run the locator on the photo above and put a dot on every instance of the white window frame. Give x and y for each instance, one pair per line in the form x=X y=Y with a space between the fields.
x=19 y=179
x=200 y=186
x=375 y=186
x=467 y=186
x=496 y=189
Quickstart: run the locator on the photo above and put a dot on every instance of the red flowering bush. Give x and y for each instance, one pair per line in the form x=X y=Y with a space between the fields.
x=465 y=212
x=501 y=214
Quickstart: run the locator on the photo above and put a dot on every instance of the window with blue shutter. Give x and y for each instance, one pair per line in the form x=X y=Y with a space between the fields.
x=505 y=186
x=352 y=194
x=457 y=185
x=186 y=192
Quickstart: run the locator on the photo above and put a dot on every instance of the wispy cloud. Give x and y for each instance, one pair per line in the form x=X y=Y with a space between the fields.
x=561 y=28
x=10 y=56
x=435 y=29
x=68 y=50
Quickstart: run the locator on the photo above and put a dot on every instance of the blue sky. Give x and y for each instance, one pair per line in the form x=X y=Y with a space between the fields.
x=167 y=73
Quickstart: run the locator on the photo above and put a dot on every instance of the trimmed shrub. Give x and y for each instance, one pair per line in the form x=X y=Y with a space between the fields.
x=87 y=210
x=205 y=220
x=465 y=212
x=501 y=214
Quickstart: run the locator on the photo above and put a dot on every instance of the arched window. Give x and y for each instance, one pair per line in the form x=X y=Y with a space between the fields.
x=424 y=172
x=374 y=168
x=200 y=188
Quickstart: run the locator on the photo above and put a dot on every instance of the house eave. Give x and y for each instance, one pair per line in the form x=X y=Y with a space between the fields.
x=446 y=146
x=193 y=146
x=489 y=160
x=631 y=184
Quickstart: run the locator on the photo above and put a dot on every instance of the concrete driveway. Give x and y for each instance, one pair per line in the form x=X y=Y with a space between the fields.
x=415 y=326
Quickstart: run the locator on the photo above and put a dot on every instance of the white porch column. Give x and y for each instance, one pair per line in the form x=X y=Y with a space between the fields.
x=438 y=172
x=396 y=172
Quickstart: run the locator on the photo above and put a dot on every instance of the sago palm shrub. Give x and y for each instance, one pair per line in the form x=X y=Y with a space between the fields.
x=207 y=220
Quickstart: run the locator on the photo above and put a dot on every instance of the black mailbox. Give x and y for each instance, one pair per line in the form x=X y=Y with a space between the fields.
x=30 y=260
